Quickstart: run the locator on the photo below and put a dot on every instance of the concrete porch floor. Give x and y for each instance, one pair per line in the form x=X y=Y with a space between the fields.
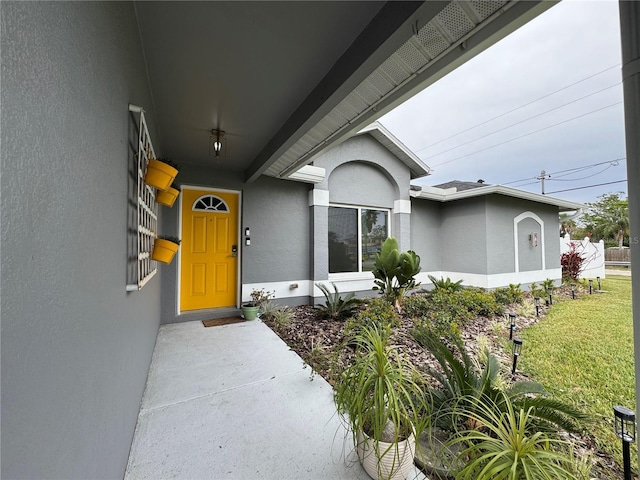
x=234 y=402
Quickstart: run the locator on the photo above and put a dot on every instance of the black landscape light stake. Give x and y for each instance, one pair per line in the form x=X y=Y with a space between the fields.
x=625 y=425
x=512 y=324
x=573 y=291
x=590 y=286
x=536 y=301
x=517 y=350
x=599 y=286
x=550 y=292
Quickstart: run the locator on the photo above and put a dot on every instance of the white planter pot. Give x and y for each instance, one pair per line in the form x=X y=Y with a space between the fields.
x=386 y=461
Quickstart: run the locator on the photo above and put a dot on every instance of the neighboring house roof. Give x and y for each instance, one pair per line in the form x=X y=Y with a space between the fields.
x=416 y=166
x=453 y=193
x=460 y=186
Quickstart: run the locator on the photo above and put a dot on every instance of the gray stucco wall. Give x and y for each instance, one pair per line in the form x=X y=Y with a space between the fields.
x=360 y=172
x=463 y=236
x=425 y=233
x=278 y=214
x=75 y=346
x=501 y=211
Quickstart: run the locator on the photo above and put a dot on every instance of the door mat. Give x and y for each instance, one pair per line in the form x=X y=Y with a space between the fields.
x=215 y=322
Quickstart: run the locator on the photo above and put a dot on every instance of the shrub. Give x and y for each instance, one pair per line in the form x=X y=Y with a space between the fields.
x=377 y=312
x=572 y=263
x=546 y=285
x=507 y=295
x=479 y=302
x=536 y=291
x=335 y=306
x=441 y=312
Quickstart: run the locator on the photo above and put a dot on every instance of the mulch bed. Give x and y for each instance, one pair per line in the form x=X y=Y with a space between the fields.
x=320 y=343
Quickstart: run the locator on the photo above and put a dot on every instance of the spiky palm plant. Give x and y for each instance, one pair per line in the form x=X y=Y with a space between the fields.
x=446 y=285
x=463 y=380
x=335 y=306
x=507 y=446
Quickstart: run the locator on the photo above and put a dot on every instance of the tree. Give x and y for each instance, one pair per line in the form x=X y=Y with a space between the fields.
x=608 y=218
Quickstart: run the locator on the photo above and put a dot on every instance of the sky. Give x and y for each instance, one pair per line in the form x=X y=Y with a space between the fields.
x=547 y=97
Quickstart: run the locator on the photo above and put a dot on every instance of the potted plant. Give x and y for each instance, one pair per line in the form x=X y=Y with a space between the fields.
x=251 y=309
x=381 y=400
x=160 y=173
x=168 y=197
x=164 y=248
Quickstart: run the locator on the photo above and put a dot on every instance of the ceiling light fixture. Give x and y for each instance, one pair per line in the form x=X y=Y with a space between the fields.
x=217 y=144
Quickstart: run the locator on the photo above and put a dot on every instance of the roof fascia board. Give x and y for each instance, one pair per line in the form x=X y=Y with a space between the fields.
x=493 y=29
x=388 y=30
x=410 y=159
x=446 y=196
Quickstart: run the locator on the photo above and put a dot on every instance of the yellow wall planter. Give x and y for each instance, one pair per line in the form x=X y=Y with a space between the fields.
x=159 y=174
x=163 y=250
x=167 y=197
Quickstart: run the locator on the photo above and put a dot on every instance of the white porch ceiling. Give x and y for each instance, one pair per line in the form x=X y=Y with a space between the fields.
x=288 y=80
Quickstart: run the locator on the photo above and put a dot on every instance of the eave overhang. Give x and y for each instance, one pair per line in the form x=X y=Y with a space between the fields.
x=408 y=46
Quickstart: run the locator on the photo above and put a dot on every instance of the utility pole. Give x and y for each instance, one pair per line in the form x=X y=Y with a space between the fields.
x=542 y=176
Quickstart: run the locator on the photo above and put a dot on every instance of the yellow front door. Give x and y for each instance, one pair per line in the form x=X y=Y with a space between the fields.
x=209 y=251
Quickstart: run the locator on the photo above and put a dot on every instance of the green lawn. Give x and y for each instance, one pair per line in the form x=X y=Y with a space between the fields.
x=582 y=352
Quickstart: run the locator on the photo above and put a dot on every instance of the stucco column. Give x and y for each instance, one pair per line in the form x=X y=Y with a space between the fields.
x=401 y=224
x=319 y=205
x=630 y=37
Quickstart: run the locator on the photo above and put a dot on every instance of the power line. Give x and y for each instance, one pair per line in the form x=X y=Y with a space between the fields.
x=614 y=162
x=581 y=178
x=517 y=108
x=588 y=186
x=527 y=134
x=520 y=122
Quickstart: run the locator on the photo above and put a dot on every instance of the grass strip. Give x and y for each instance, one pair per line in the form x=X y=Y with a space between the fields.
x=582 y=352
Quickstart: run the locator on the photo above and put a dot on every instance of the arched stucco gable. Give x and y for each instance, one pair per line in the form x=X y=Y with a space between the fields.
x=363 y=183
x=365 y=151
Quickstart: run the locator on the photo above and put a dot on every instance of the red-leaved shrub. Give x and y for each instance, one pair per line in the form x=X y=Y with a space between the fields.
x=572 y=263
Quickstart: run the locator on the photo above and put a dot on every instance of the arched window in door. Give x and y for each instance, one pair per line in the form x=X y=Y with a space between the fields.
x=210 y=203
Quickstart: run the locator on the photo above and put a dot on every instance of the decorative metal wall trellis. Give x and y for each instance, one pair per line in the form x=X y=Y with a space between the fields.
x=146 y=221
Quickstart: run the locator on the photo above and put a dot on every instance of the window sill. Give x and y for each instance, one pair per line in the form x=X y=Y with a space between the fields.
x=350 y=276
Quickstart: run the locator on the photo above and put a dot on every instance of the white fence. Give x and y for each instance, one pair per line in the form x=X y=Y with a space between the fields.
x=593 y=254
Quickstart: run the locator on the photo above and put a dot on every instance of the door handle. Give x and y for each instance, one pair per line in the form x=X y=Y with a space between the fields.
x=234 y=250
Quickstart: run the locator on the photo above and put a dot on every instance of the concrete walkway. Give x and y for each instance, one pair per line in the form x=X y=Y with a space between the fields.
x=233 y=402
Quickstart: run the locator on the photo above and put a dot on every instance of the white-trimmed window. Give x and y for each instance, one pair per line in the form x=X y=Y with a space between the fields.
x=356 y=234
